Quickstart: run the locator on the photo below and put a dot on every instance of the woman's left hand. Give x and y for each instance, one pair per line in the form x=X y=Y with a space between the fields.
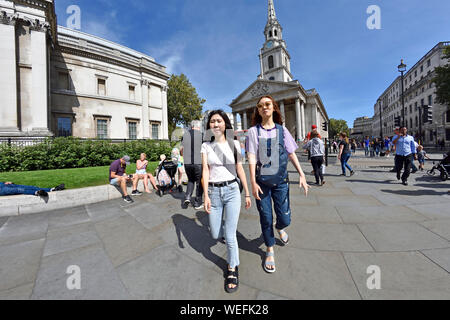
x=303 y=184
x=248 y=202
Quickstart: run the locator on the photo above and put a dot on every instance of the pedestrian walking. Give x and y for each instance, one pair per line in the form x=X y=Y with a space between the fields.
x=367 y=146
x=191 y=145
x=394 y=147
x=317 y=149
x=345 y=154
x=222 y=162
x=406 y=151
x=421 y=155
x=270 y=147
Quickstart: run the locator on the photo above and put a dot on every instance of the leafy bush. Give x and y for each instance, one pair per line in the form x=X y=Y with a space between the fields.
x=61 y=153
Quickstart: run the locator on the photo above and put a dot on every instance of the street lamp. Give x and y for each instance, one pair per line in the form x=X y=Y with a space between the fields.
x=402 y=68
x=381 y=122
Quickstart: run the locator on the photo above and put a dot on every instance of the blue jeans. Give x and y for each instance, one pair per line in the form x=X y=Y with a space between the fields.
x=280 y=196
x=14 y=189
x=367 y=150
x=226 y=207
x=344 y=159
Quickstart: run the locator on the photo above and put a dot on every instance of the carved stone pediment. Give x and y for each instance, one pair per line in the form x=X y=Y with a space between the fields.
x=263 y=87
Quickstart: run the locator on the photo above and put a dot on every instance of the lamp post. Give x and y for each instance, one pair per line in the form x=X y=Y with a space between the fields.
x=381 y=122
x=402 y=68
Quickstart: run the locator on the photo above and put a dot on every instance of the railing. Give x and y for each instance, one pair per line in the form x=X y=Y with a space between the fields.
x=25 y=142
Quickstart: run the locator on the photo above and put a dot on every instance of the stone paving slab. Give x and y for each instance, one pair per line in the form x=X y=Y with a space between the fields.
x=67 y=217
x=99 y=280
x=18 y=293
x=439 y=256
x=125 y=239
x=404 y=275
x=19 y=263
x=24 y=228
x=437 y=210
x=301 y=274
x=439 y=227
x=378 y=214
x=317 y=214
x=70 y=238
x=325 y=236
x=197 y=281
x=401 y=237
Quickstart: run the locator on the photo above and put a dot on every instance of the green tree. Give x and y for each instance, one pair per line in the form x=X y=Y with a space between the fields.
x=442 y=80
x=338 y=126
x=183 y=102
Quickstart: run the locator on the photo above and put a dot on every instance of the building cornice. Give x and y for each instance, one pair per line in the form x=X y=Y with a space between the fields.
x=140 y=67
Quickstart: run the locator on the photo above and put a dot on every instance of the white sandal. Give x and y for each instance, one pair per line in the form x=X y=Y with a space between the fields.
x=269 y=263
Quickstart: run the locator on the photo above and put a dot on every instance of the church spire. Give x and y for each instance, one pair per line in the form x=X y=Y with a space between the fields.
x=272 y=16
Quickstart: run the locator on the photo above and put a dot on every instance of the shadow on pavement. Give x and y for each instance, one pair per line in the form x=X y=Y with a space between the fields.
x=415 y=192
x=199 y=238
x=374 y=181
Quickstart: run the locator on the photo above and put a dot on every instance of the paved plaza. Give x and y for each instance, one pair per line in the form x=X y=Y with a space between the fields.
x=153 y=249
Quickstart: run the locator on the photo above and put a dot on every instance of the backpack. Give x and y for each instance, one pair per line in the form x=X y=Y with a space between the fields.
x=271 y=169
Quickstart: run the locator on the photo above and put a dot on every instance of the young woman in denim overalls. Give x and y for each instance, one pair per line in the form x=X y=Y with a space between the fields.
x=268 y=129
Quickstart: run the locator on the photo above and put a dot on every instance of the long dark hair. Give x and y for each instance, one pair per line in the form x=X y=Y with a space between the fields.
x=277 y=118
x=225 y=118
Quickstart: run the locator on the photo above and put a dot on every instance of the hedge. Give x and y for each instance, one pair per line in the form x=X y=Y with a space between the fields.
x=62 y=153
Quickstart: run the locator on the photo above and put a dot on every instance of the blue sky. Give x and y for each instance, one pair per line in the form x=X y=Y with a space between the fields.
x=216 y=43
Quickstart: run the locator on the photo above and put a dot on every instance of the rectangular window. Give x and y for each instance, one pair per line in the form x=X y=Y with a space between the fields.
x=421 y=69
x=102 y=129
x=428 y=63
x=64 y=127
x=447 y=134
x=447 y=116
x=155 y=131
x=63 y=81
x=101 y=87
x=132 y=130
x=131 y=93
x=422 y=102
x=430 y=100
x=415 y=73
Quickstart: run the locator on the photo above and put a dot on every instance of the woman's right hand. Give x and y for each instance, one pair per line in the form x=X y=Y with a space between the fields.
x=207 y=205
x=256 y=190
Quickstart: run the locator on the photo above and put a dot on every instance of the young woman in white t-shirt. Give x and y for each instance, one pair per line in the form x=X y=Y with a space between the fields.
x=220 y=166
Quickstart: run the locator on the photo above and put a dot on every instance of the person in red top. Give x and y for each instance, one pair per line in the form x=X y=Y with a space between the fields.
x=308 y=136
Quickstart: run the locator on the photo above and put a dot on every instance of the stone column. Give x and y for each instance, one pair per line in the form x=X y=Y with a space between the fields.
x=39 y=98
x=282 y=112
x=298 y=120
x=235 y=126
x=165 y=122
x=145 y=124
x=302 y=111
x=244 y=125
x=8 y=79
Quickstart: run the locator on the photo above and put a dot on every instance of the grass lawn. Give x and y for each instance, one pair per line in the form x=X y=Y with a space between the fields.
x=72 y=178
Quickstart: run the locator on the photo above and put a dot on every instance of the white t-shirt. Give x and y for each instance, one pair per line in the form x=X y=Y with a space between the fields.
x=217 y=171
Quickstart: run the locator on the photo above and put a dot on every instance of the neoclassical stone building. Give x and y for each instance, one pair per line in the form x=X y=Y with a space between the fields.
x=300 y=108
x=58 y=81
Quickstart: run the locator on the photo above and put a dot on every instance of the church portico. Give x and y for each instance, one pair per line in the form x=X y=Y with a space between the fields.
x=300 y=108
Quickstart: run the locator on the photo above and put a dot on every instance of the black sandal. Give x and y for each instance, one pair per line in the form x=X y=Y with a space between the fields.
x=232 y=278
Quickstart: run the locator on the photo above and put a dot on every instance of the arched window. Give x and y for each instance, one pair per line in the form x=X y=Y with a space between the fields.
x=270 y=34
x=417 y=122
x=270 y=62
x=410 y=123
x=275 y=32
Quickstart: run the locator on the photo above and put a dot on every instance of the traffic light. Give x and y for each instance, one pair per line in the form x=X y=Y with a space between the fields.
x=397 y=121
x=427 y=114
x=325 y=126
